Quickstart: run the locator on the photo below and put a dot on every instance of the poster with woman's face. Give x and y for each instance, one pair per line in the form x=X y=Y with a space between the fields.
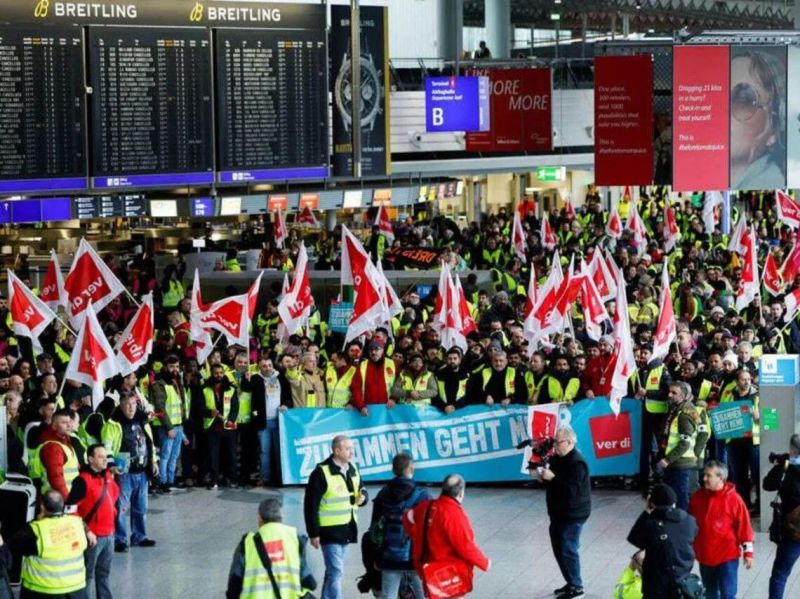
x=793 y=120
x=758 y=117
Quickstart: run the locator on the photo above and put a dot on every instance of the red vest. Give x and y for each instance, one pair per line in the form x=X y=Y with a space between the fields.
x=102 y=523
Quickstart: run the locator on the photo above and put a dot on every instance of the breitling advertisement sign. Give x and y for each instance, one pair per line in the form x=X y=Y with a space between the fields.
x=200 y=13
x=376 y=152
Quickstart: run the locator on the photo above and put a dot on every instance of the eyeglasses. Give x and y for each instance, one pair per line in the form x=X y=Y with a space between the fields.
x=745 y=102
x=561 y=441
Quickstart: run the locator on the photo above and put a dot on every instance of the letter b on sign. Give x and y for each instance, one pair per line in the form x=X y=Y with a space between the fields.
x=611 y=436
x=438 y=117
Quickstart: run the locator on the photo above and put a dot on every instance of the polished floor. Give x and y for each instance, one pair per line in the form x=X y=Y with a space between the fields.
x=197 y=530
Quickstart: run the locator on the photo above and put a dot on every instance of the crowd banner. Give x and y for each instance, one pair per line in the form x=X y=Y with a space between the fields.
x=478 y=442
x=732 y=420
x=415 y=258
x=339 y=316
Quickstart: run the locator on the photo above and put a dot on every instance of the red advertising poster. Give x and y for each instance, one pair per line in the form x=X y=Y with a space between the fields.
x=278 y=202
x=521 y=112
x=623 y=120
x=700 y=103
x=309 y=200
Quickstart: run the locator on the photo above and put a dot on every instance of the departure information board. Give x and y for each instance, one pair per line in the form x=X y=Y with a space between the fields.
x=272 y=105
x=42 y=111
x=152 y=109
x=119 y=206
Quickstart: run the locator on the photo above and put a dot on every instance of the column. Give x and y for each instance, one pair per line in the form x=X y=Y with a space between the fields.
x=451 y=29
x=330 y=220
x=497 y=15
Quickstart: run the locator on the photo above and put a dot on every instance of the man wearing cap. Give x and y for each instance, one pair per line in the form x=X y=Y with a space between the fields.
x=415 y=386
x=650 y=384
x=501 y=310
x=664 y=563
x=373 y=380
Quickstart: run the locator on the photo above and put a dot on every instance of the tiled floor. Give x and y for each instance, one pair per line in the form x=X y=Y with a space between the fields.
x=197 y=531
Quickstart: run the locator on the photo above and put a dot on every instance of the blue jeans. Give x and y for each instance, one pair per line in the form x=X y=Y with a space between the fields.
x=785 y=557
x=721 y=581
x=678 y=480
x=98 y=566
x=133 y=499
x=565 y=537
x=170 y=452
x=333 y=555
x=392 y=579
x=269 y=441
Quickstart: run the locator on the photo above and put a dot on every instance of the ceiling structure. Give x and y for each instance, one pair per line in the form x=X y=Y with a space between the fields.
x=662 y=16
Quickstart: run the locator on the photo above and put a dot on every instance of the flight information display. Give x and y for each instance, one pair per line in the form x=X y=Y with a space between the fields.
x=42 y=112
x=152 y=109
x=272 y=105
x=119 y=206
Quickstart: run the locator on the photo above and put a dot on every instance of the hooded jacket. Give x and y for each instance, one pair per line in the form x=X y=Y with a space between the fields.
x=665 y=560
x=399 y=490
x=724 y=526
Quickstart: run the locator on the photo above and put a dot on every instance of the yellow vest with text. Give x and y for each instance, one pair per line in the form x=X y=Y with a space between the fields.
x=339 y=394
x=172 y=407
x=420 y=385
x=653 y=384
x=283 y=549
x=227 y=398
x=511 y=374
x=338 y=505
x=71 y=467
x=58 y=567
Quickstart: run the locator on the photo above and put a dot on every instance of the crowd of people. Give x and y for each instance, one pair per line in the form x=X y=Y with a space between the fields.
x=176 y=423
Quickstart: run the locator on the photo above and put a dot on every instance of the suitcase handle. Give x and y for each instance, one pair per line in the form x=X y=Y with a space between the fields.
x=18 y=478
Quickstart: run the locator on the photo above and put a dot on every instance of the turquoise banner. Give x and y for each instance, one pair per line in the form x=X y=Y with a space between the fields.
x=732 y=420
x=477 y=442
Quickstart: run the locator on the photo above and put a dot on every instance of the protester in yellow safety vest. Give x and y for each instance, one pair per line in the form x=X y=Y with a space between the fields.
x=308 y=387
x=416 y=386
x=497 y=384
x=338 y=380
x=169 y=396
x=219 y=420
x=452 y=382
x=232 y=260
x=271 y=562
x=171 y=287
x=535 y=377
x=677 y=441
x=744 y=453
x=334 y=492
x=248 y=439
x=55 y=462
x=560 y=385
x=52 y=549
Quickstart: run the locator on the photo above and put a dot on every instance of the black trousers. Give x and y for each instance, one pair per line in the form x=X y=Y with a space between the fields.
x=222 y=453
x=248 y=451
x=651 y=424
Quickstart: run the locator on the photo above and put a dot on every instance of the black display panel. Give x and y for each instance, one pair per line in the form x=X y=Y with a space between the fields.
x=119 y=206
x=152 y=109
x=272 y=105
x=42 y=110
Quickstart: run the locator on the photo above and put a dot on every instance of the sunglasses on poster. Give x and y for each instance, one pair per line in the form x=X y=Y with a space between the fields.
x=746 y=102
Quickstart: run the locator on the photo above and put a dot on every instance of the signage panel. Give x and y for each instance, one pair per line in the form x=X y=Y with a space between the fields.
x=456 y=104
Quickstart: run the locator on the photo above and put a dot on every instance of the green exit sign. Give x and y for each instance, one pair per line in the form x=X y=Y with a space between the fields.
x=551 y=173
x=554 y=16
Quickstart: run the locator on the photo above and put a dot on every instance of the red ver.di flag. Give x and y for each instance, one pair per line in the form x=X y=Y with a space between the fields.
x=623 y=120
x=542 y=424
x=136 y=342
x=521 y=112
x=90 y=281
x=92 y=360
x=701 y=124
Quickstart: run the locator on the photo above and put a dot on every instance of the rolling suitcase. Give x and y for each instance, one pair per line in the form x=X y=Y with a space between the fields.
x=17 y=508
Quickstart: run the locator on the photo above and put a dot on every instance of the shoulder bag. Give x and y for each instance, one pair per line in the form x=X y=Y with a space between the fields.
x=444 y=578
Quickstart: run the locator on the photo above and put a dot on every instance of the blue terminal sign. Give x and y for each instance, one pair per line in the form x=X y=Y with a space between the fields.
x=457 y=104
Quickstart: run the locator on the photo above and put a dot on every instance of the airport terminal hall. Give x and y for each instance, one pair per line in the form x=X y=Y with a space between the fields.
x=399 y=299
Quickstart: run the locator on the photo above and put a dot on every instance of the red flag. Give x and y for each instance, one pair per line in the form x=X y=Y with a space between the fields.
x=792 y=302
x=612 y=268
x=89 y=281
x=199 y=334
x=567 y=294
x=30 y=316
x=518 y=238
x=735 y=244
x=603 y=281
x=773 y=282
x=594 y=311
x=666 y=330
x=384 y=223
x=547 y=235
x=748 y=285
x=93 y=361
x=229 y=316
x=672 y=234
x=368 y=308
x=441 y=304
x=354 y=258
x=623 y=361
x=636 y=226
x=281 y=234
x=569 y=209
x=136 y=342
x=295 y=307
x=252 y=296
x=547 y=296
x=529 y=327
x=53 y=294
x=626 y=194
x=392 y=304
x=465 y=316
x=452 y=335
x=306 y=218
x=791 y=266
x=788 y=210
x=614 y=225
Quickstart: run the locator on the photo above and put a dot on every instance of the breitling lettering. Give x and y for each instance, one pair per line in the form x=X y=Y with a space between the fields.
x=240 y=14
x=85 y=10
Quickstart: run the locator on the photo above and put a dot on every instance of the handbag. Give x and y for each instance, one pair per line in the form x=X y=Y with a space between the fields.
x=443 y=578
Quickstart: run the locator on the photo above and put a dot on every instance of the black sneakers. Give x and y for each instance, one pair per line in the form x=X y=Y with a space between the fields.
x=146 y=543
x=562 y=590
x=120 y=548
x=569 y=592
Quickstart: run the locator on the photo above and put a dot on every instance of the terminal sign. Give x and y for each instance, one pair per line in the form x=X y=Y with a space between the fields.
x=778 y=371
x=456 y=104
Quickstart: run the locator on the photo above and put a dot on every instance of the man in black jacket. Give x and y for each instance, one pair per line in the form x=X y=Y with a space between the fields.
x=569 y=503
x=333 y=494
x=452 y=379
x=221 y=411
x=785 y=479
x=666 y=534
x=271 y=393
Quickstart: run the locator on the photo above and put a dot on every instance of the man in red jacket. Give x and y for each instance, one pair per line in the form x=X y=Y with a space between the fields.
x=373 y=380
x=94 y=495
x=58 y=458
x=449 y=535
x=596 y=380
x=724 y=533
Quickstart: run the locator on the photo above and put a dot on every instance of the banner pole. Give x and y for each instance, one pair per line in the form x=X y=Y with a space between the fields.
x=69 y=328
x=133 y=299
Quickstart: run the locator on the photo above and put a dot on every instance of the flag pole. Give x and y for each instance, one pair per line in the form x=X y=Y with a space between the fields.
x=61 y=389
x=133 y=299
x=69 y=328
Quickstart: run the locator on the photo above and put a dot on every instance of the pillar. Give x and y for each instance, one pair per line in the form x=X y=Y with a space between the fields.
x=330 y=220
x=451 y=29
x=626 y=25
x=497 y=15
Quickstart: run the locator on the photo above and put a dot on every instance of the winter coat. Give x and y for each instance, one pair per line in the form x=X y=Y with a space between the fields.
x=569 y=494
x=724 y=526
